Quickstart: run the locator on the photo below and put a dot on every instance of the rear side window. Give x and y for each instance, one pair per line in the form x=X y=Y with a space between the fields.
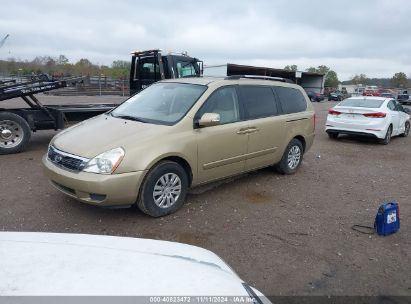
x=258 y=102
x=391 y=105
x=292 y=100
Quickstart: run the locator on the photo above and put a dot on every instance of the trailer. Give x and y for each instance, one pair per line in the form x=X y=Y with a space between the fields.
x=309 y=81
x=16 y=124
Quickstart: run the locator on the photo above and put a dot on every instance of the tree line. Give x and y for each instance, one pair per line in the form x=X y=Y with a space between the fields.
x=61 y=67
x=399 y=80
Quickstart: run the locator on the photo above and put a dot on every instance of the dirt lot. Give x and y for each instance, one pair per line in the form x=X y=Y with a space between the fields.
x=285 y=235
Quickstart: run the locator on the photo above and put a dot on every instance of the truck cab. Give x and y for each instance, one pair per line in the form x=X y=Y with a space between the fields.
x=150 y=66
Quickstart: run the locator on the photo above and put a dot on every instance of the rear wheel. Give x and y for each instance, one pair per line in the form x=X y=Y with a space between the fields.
x=406 y=130
x=14 y=133
x=333 y=135
x=387 y=137
x=292 y=157
x=164 y=189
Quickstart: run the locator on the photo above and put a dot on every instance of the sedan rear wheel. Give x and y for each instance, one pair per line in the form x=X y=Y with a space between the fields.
x=406 y=130
x=387 y=137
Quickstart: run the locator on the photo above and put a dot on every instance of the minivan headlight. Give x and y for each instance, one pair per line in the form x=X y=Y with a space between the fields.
x=106 y=162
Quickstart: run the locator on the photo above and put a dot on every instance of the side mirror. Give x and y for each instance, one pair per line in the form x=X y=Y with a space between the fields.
x=209 y=119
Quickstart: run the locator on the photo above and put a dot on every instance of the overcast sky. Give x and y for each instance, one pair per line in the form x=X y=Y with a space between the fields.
x=350 y=36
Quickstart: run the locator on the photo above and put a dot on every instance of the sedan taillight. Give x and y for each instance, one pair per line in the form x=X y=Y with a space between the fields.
x=333 y=112
x=375 y=115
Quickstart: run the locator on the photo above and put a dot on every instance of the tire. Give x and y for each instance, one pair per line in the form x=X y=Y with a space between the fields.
x=161 y=177
x=15 y=133
x=407 y=129
x=333 y=135
x=387 y=137
x=287 y=165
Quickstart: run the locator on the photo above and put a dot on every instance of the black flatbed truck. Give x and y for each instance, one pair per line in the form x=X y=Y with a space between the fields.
x=150 y=66
x=16 y=124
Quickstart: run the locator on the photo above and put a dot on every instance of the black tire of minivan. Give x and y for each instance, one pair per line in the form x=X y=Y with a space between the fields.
x=19 y=126
x=283 y=166
x=146 y=202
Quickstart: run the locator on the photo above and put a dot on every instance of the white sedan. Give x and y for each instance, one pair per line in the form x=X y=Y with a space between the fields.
x=375 y=117
x=59 y=264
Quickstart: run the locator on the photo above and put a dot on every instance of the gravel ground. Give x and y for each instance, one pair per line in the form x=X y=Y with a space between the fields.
x=285 y=235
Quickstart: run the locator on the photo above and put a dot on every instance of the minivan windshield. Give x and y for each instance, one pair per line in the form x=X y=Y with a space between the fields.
x=161 y=103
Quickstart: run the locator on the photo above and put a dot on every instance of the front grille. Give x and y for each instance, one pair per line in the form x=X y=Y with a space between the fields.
x=65 y=160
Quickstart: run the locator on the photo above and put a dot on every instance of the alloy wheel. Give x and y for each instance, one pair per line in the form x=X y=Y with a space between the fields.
x=294 y=156
x=167 y=190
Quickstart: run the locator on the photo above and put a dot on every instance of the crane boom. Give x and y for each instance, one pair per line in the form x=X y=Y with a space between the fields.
x=4 y=40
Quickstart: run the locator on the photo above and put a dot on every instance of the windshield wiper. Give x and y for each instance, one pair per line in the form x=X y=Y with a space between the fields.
x=129 y=117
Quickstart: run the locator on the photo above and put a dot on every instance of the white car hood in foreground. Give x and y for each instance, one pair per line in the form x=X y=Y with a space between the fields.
x=77 y=264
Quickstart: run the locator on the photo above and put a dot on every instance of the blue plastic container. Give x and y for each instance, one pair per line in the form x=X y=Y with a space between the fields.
x=387 y=220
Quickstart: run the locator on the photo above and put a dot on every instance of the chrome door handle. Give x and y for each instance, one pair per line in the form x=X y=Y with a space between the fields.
x=242 y=131
x=253 y=129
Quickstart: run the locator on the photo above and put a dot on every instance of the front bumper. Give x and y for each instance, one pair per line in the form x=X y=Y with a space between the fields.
x=95 y=189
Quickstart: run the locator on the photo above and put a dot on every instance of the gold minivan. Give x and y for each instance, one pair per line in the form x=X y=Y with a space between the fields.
x=177 y=134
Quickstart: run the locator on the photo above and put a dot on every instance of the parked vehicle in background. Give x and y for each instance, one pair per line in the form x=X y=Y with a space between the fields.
x=385 y=91
x=177 y=134
x=358 y=91
x=150 y=66
x=315 y=96
x=375 y=117
x=97 y=265
x=404 y=98
x=388 y=95
x=371 y=92
x=336 y=96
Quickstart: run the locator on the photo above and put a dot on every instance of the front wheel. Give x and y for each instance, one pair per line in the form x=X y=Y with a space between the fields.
x=164 y=189
x=406 y=130
x=387 y=137
x=292 y=157
x=14 y=133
